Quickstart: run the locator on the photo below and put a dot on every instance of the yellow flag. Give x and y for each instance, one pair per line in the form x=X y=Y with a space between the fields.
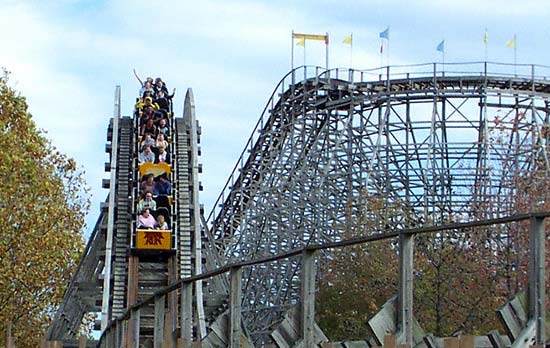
x=486 y=37
x=301 y=42
x=348 y=40
x=511 y=43
x=311 y=37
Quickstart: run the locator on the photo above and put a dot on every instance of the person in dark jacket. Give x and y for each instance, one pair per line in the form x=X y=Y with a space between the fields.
x=163 y=186
x=159 y=85
x=161 y=101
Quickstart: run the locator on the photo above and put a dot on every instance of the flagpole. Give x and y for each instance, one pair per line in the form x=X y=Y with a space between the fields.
x=443 y=57
x=381 y=53
x=304 y=54
x=351 y=52
x=385 y=35
x=292 y=51
x=515 y=54
x=485 y=42
x=388 y=52
x=326 y=49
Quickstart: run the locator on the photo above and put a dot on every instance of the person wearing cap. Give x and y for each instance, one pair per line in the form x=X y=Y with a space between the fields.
x=148 y=101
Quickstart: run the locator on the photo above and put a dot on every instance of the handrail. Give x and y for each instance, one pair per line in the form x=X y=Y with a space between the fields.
x=316 y=247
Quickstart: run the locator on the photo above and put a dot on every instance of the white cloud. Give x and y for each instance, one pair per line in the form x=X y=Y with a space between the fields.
x=67 y=56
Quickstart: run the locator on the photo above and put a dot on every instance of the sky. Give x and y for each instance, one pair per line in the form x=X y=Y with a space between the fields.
x=67 y=56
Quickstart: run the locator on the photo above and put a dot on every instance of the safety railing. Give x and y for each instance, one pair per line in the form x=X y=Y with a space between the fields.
x=125 y=330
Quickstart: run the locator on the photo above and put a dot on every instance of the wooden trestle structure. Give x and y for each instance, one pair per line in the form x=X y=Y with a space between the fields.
x=245 y=275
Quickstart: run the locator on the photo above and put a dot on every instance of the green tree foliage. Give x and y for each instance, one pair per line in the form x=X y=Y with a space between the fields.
x=354 y=284
x=356 y=281
x=43 y=202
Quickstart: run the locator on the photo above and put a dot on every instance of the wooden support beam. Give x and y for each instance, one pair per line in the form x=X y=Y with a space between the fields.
x=114 y=331
x=390 y=341
x=451 y=342
x=133 y=329
x=160 y=312
x=186 y=316
x=466 y=341
x=82 y=342
x=109 y=338
x=537 y=291
x=235 y=308
x=10 y=342
x=307 y=315
x=172 y=311
x=405 y=298
x=123 y=334
x=133 y=279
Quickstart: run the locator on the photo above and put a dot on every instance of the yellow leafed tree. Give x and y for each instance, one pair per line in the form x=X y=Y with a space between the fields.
x=43 y=202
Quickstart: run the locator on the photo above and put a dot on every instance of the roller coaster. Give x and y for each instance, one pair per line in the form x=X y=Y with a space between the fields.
x=445 y=143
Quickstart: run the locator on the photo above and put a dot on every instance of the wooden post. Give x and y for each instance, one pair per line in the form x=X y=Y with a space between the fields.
x=466 y=341
x=124 y=333
x=160 y=312
x=186 y=316
x=235 y=308
x=82 y=342
x=133 y=279
x=172 y=312
x=389 y=341
x=451 y=342
x=133 y=329
x=405 y=298
x=117 y=332
x=10 y=343
x=537 y=291
x=307 y=315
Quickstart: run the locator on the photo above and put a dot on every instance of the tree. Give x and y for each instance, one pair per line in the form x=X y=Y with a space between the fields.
x=456 y=278
x=354 y=284
x=460 y=276
x=43 y=201
x=356 y=281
